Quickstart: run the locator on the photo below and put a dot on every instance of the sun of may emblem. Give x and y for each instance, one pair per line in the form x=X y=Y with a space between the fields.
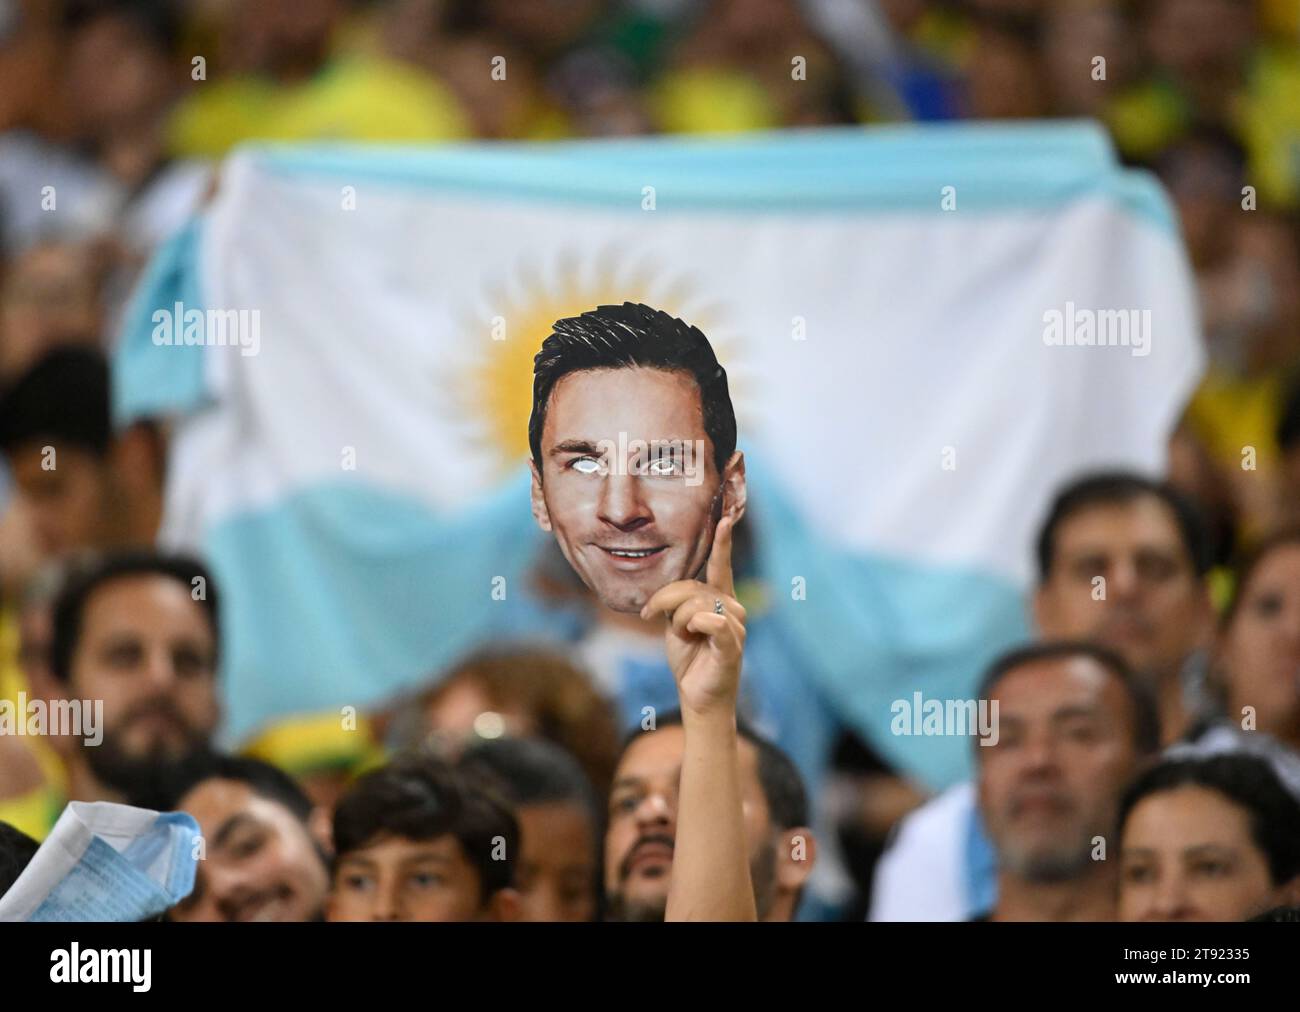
x=491 y=386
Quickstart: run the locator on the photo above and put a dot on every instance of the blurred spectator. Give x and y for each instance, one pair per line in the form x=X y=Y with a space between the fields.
x=264 y=855
x=86 y=486
x=1248 y=274
x=1145 y=543
x=291 y=82
x=600 y=96
x=1075 y=33
x=641 y=834
x=546 y=28
x=1074 y=726
x=1257 y=669
x=32 y=769
x=97 y=177
x=51 y=297
x=16 y=850
x=25 y=799
x=558 y=819
x=45 y=185
x=1213 y=839
x=122 y=81
x=29 y=66
x=1005 y=78
x=137 y=635
x=734 y=70
x=508 y=104
x=416 y=841
x=516 y=692
x=1207 y=63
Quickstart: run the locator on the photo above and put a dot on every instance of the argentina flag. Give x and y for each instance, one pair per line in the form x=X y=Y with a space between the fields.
x=926 y=330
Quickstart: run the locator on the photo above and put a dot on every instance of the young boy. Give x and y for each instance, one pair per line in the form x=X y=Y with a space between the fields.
x=415 y=841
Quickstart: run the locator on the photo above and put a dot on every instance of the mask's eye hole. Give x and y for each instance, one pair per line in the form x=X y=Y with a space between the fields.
x=585 y=465
x=663 y=466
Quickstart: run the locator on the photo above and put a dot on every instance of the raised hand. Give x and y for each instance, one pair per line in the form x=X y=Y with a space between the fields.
x=705 y=633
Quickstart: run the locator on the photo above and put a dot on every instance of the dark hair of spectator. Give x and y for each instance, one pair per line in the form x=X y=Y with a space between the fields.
x=1119 y=488
x=419 y=797
x=1146 y=720
x=82 y=583
x=1247 y=781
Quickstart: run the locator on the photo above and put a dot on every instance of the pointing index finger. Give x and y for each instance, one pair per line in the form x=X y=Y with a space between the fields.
x=719 y=569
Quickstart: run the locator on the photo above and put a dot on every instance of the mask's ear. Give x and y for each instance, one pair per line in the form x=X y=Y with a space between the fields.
x=505 y=905
x=734 y=491
x=540 y=513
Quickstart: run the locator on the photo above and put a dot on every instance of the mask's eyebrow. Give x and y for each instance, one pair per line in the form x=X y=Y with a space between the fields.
x=576 y=446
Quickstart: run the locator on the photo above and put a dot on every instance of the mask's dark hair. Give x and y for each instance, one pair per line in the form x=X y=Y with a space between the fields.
x=1249 y=782
x=621 y=337
x=83 y=581
x=62 y=400
x=787 y=802
x=1117 y=488
x=528 y=771
x=1146 y=719
x=16 y=850
x=419 y=797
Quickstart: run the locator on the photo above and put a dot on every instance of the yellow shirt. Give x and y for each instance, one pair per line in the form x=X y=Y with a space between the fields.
x=707 y=100
x=1230 y=413
x=1266 y=118
x=35 y=812
x=354 y=98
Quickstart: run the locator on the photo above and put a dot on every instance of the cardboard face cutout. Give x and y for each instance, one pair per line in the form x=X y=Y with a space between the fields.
x=628 y=481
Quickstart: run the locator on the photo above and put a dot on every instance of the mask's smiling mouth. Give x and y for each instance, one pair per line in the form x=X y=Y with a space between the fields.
x=627 y=558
